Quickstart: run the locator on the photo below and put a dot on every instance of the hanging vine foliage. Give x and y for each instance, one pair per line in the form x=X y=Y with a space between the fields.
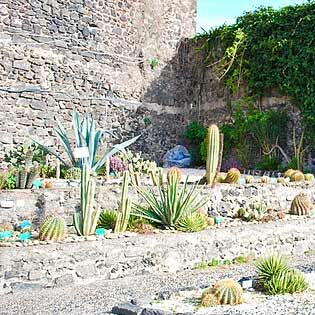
x=266 y=50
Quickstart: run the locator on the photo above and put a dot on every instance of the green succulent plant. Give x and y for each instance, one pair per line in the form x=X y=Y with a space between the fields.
x=53 y=229
x=171 y=203
x=228 y=291
x=107 y=219
x=192 y=222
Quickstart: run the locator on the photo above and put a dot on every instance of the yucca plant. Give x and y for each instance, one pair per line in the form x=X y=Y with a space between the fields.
x=171 y=204
x=107 y=219
x=86 y=135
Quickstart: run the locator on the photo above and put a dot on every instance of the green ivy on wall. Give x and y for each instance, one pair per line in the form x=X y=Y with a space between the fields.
x=268 y=50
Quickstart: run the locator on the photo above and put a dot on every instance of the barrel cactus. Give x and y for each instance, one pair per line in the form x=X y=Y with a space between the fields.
x=309 y=177
x=301 y=205
x=265 y=179
x=208 y=299
x=228 y=291
x=213 y=153
x=281 y=180
x=233 y=175
x=53 y=229
x=289 y=172
x=174 y=171
x=297 y=176
x=249 y=179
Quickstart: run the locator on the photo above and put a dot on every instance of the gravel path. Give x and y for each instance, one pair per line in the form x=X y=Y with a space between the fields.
x=98 y=298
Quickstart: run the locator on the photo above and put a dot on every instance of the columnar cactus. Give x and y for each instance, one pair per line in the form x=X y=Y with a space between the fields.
x=85 y=220
x=233 y=175
x=228 y=292
x=301 y=205
x=309 y=177
x=297 y=176
x=125 y=206
x=174 y=171
x=53 y=229
x=213 y=153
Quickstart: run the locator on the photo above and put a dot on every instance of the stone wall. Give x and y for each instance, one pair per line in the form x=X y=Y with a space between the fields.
x=224 y=199
x=75 y=263
x=96 y=56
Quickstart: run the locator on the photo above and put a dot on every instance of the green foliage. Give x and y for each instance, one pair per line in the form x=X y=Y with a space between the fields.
x=154 y=63
x=192 y=222
x=47 y=171
x=53 y=229
x=171 y=204
x=73 y=173
x=86 y=135
x=25 y=154
x=107 y=219
x=11 y=182
x=268 y=49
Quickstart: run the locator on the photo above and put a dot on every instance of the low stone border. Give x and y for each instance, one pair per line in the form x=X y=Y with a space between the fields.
x=74 y=263
x=225 y=199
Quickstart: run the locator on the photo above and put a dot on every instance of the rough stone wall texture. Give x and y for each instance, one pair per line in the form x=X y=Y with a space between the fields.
x=74 y=263
x=225 y=199
x=96 y=56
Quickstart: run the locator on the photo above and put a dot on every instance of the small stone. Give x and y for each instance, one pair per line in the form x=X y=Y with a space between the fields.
x=126 y=309
x=155 y=311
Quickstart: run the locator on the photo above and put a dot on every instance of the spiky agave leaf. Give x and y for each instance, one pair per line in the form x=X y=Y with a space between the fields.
x=170 y=203
x=192 y=222
x=268 y=267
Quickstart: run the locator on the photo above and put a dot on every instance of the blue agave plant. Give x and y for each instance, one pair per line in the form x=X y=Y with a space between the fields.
x=86 y=135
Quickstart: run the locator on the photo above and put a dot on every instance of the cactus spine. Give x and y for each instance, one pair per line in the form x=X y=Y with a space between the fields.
x=125 y=206
x=85 y=220
x=301 y=205
x=53 y=229
x=228 y=292
x=233 y=175
x=213 y=154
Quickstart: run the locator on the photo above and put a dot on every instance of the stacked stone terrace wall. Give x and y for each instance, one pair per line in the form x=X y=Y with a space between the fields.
x=98 y=56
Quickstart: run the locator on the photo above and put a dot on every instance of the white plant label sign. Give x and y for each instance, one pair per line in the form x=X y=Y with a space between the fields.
x=81 y=152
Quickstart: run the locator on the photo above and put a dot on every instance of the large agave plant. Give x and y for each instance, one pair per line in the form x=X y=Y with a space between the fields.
x=86 y=135
x=171 y=204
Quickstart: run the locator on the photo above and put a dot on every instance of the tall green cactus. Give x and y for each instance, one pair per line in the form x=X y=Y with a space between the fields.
x=213 y=153
x=85 y=220
x=125 y=207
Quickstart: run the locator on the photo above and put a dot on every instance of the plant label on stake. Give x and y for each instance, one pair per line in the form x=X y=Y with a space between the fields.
x=81 y=152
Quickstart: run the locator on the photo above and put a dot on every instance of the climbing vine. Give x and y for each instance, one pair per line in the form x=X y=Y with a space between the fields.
x=268 y=50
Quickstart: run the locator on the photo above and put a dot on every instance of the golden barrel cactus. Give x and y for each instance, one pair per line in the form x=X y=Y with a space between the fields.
x=297 y=176
x=174 y=171
x=233 y=175
x=289 y=172
x=249 y=179
x=301 y=205
x=309 y=177
x=228 y=292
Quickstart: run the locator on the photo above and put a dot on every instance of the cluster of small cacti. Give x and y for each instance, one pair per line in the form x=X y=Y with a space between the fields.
x=73 y=173
x=298 y=176
x=174 y=171
x=233 y=175
x=224 y=292
x=53 y=229
x=301 y=205
x=255 y=211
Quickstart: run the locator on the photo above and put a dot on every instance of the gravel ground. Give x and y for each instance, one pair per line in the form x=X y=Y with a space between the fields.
x=99 y=297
